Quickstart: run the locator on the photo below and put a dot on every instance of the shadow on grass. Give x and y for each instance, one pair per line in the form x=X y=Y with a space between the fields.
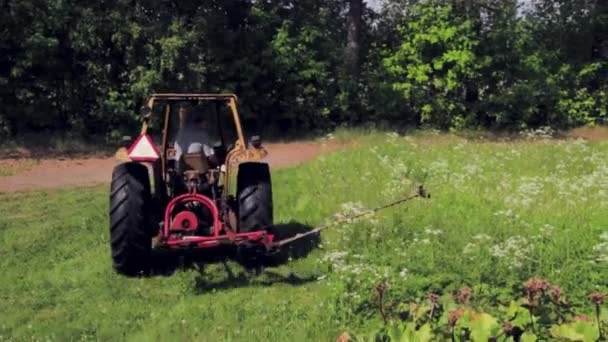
x=267 y=278
x=253 y=260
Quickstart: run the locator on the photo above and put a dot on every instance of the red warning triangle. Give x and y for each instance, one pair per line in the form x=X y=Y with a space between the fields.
x=144 y=149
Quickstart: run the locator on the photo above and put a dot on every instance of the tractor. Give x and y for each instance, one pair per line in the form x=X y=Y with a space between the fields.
x=190 y=180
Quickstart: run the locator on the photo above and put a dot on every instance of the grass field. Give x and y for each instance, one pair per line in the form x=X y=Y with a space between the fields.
x=500 y=213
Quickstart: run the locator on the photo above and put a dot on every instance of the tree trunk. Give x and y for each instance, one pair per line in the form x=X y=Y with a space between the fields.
x=353 y=39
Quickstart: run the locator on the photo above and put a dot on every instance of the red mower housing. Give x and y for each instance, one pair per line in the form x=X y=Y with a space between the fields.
x=173 y=237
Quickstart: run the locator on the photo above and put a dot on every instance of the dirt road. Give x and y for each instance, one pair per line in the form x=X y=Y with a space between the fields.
x=76 y=172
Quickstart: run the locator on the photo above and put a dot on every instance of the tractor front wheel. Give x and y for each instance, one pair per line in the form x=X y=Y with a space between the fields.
x=130 y=201
x=254 y=193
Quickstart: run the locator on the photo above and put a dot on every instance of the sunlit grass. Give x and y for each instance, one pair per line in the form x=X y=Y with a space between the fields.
x=500 y=212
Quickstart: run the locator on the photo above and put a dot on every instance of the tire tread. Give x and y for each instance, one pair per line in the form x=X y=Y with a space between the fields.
x=130 y=199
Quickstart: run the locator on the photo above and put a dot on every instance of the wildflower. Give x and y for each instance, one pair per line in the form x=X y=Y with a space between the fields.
x=535 y=287
x=555 y=293
x=433 y=297
x=463 y=296
x=547 y=230
x=482 y=237
x=544 y=132
x=514 y=250
x=507 y=327
x=454 y=315
x=379 y=290
x=582 y=318
x=597 y=298
x=433 y=231
x=345 y=337
x=350 y=209
x=527 y=190
x=459 y=146
x=601 y=251
x=470 y=248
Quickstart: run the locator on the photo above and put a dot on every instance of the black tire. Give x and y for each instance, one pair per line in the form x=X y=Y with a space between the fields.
x=130 y=228
x=254 y=194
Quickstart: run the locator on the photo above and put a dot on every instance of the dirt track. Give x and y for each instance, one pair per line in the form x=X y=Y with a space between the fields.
x=75 y=172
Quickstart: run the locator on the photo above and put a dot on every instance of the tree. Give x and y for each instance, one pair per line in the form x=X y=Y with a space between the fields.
x=432 y=64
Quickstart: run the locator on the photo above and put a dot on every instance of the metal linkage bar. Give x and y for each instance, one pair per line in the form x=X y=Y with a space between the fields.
x=420 y=192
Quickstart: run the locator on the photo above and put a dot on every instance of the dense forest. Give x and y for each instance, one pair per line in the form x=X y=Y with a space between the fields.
x=86 y=66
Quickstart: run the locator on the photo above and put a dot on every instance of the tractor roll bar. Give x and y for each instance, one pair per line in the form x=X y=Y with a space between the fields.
x=193 y=96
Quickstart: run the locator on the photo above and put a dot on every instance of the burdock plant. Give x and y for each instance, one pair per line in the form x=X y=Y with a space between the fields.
x=598 y=299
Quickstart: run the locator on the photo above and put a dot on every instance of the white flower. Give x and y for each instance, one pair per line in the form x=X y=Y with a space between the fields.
x=470 y=248
x=544 y=132
x=547 y=230
x=601 y=252
x=482 y=237
x=514 y=251
x=433 y=231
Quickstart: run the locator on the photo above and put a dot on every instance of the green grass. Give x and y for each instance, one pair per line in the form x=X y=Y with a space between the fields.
x=500 y=213
x=15 y=167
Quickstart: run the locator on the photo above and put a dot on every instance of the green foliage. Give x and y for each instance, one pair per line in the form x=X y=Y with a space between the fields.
x=512 y=72
x=576 y=331
x=433 y=63
x=408 y=332
x=298 y=63
x=460 y=322
x=85 y=67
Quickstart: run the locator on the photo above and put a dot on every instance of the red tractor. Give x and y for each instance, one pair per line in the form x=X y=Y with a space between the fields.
x=199 y=184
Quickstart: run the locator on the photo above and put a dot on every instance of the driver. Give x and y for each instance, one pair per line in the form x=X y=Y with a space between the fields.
x=193 y=135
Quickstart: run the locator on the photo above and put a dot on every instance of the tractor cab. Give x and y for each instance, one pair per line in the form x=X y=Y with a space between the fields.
x=199 y=135
x=196 y=133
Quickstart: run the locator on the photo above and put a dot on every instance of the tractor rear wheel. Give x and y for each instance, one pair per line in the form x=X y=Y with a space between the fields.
x=130 y=233
x=254 y=193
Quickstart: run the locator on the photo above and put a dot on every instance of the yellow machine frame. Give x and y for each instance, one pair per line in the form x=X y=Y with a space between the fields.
x=241 y=151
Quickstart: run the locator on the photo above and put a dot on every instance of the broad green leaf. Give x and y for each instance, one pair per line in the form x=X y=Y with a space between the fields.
x=483 y=326
x=424 y=334
x=577 y=331
x=396 y=332
x=528 y=337
x=566 y=331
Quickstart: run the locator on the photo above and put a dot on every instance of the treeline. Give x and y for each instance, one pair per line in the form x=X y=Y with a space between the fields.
x=86 y=66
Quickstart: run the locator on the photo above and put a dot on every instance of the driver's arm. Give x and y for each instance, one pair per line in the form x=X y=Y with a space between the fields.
x=208 y=150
